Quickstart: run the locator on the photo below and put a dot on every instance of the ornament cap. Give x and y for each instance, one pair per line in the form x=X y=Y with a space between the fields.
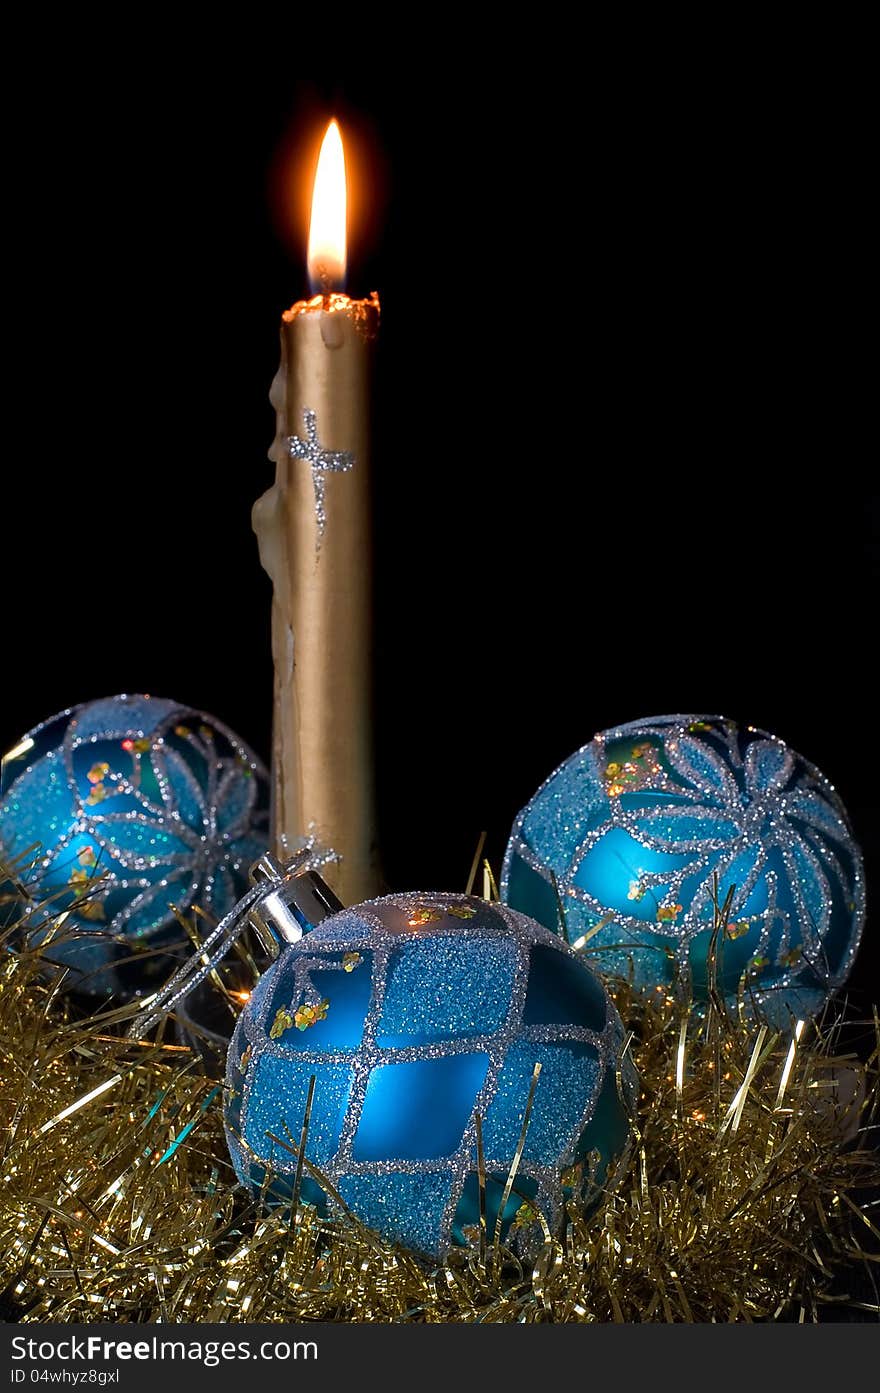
x=301 y=900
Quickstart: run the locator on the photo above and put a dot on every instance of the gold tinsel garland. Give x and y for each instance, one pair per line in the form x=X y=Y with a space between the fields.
x=743 y=1197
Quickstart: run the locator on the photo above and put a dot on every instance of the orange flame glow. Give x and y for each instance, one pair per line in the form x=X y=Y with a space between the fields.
x=327 y=251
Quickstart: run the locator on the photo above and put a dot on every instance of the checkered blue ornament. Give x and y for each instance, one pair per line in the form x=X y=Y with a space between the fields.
x=414 y=1013
x=633 y=828
x=117 y=809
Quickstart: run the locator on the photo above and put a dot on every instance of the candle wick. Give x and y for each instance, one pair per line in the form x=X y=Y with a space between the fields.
x=325 y=284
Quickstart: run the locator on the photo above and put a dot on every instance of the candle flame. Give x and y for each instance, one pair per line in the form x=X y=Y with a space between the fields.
x=326 y=256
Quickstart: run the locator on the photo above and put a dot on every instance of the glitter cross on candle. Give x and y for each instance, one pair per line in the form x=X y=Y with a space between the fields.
x=322 y=462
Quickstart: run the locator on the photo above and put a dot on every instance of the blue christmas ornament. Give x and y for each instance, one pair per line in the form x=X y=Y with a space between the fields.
x=114 y=811
x=414 y=1013
x=634 y=827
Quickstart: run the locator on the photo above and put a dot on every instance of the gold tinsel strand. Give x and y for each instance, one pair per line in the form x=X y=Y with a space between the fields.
x=742 y=1198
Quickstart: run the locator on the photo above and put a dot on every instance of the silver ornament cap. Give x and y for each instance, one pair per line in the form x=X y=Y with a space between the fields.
x=300 y=900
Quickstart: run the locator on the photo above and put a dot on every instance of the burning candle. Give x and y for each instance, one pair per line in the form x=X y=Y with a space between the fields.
x=313 y=528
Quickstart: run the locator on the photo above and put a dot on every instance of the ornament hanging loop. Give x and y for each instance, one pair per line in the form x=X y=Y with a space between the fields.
x=283 y=902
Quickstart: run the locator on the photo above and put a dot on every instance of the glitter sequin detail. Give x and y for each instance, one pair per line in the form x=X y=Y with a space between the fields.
x=135 y=803
x=443 y=1032
x=633 y=827
x=322 y=462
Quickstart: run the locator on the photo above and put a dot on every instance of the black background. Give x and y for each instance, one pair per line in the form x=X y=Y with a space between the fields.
x=620 y=418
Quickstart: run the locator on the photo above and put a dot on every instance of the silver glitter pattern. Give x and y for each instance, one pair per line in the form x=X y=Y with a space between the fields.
x=673 y=801
x=474 y=1007
x=322 y=462
x=174 y=807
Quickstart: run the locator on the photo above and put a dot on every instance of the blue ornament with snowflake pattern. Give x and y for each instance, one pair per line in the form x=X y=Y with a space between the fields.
x=117 y=816
x=415 y=1014
x=633 y=833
